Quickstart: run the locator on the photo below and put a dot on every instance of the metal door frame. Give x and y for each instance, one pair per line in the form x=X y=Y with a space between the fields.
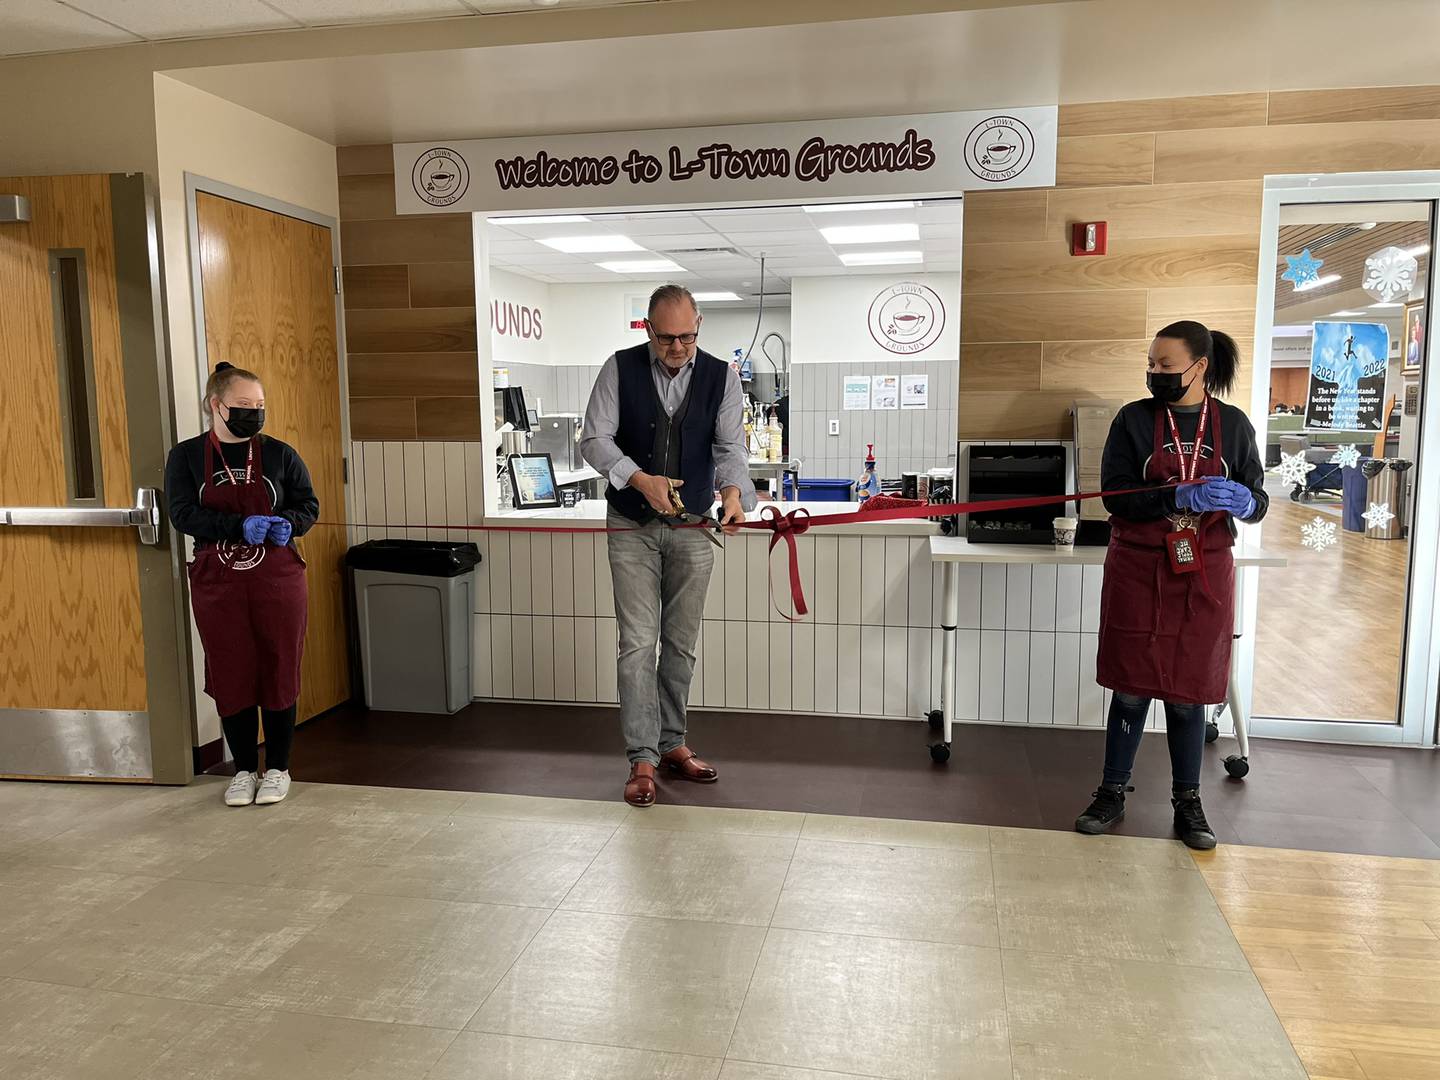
x=1420 y=656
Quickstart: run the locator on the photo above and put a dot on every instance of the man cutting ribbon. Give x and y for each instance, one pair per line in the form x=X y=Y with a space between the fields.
x=664 y=423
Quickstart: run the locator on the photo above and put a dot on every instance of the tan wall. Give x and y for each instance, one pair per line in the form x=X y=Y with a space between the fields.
x=409 y=309
x=1179 y=182
x=1289 y=386
x=199 y=133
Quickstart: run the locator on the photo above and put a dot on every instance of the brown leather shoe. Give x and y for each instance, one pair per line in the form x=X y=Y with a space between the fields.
x=683 y=763
x=640 y=790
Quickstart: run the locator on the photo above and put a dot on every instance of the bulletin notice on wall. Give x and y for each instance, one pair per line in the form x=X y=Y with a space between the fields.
x=857 y=392
x=1347 y=376
x=915 y=392
x=886 y=392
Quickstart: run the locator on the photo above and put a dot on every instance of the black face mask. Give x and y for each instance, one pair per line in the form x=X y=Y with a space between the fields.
x=1167 y=386
x=245 y=423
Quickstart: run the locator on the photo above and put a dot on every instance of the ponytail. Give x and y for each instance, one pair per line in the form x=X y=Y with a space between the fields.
x=220 y=380
x=1218 y=346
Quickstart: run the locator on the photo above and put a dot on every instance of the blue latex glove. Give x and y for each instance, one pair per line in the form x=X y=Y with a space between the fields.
x=280 y=531
x=1203 y=496
x=1235 y=498
x=1225 y=496
x=255 y=527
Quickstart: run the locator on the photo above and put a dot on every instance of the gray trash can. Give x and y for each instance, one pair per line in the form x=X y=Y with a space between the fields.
x=1386 y=485
x=414 y=601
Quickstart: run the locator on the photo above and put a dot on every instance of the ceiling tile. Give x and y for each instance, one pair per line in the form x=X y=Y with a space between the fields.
x=159 y=19
x=31 y=26
x=336 y=12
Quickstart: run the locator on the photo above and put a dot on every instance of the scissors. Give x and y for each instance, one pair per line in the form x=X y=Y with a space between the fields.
x=681 y=516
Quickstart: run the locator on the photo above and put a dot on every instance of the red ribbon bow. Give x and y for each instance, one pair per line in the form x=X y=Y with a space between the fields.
x=789 y=526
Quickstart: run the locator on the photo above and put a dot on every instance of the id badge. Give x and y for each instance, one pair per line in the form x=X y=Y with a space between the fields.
x=1184 y=548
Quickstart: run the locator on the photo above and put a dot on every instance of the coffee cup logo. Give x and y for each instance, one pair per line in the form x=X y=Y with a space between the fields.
x=907 y=318
x=999 y=148
x=440 y=176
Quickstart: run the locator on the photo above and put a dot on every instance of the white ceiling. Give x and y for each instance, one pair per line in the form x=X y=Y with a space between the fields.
x=36 y=26
x=789 y=238
x=1029 y=54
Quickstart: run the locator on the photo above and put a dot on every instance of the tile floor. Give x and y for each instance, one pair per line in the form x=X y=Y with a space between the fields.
x=391 y=933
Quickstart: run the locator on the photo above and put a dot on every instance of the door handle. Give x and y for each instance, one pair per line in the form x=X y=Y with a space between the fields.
x=144 y=516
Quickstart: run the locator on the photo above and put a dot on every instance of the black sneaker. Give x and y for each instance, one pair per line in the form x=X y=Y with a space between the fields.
x=1108 y=808
x=1190 y=823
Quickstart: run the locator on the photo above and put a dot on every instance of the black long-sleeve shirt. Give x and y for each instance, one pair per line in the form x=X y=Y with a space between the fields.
x=286 y=479
x=1131 y=442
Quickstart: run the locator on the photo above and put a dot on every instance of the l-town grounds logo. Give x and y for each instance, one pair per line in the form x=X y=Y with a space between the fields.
x=999 y=148
x=907 y=318
x=440 y=176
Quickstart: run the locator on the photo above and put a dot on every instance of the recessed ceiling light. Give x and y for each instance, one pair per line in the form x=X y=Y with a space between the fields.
x=1320 y=282
x=641 y=266
x=1369 y=225
x=1389 y=305
x=590 y=245
x=1417 y=250
x=1345 y=314
x=555 y=219
x=846 y=208
x=881 y=258
x=714 y=297
x=870 y=234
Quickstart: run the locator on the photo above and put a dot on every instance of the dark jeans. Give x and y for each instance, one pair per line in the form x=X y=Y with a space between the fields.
x=1184 y=731
x=242 y=732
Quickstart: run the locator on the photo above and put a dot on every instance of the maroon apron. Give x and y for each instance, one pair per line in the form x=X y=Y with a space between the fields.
x=249 y=600
x=1165 y=634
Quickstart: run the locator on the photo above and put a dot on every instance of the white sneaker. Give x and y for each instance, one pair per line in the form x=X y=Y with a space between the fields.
x=274 y=787
x=241 y=791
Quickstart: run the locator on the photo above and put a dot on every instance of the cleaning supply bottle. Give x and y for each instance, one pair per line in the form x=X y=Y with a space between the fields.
x=749 y=430
x=777 y=435
x=869 y=482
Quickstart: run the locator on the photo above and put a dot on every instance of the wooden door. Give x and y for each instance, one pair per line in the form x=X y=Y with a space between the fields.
x=71 y=634
x=268 y=284
x=94 y=673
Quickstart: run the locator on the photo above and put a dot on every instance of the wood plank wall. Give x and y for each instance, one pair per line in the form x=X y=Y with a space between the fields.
x=1179 y=181
x=409 y=291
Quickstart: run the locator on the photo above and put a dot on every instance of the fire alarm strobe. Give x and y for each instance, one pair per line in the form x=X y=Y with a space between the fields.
x=1087 y=238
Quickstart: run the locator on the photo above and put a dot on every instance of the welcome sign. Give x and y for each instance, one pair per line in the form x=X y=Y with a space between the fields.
x=921 y=155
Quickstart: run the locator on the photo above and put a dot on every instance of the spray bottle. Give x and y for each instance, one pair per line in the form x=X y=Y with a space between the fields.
x=869 y=482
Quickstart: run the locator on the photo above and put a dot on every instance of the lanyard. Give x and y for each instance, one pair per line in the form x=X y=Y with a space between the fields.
x=1191 y=469
x=249 y=458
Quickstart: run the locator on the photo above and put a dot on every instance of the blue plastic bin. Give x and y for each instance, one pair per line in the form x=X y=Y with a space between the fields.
x=820 y=489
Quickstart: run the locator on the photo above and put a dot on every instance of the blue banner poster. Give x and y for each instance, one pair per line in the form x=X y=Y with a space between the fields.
x=1347 y=376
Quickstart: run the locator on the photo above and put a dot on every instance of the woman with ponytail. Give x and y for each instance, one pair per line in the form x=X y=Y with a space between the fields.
x=1167 y=604
x=243 y=497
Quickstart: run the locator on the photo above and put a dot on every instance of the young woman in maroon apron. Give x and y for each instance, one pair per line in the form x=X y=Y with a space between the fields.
x=243 y=498
x=1167 y=603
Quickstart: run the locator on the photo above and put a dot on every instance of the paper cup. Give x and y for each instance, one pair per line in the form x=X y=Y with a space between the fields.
x=1065 y=532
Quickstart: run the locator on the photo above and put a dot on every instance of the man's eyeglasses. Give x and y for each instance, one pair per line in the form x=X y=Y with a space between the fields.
x=666 y=340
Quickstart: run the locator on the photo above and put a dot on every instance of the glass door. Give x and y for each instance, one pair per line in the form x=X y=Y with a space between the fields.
x=1338 y=402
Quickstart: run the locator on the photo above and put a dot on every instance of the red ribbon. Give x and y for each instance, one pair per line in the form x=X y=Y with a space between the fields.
x=799 y=521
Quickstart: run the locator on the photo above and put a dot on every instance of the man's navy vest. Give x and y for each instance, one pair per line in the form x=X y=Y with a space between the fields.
x=679 y=446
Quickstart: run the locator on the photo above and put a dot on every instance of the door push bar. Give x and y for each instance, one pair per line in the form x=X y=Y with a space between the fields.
x=144 y=515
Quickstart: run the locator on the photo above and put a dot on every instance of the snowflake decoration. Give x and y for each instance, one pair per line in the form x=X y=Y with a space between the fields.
x=1294 y=468
x=1347 y=457
x=1318 y=535
x=1304 y=269
x=1378 y=516
x=1389 y=273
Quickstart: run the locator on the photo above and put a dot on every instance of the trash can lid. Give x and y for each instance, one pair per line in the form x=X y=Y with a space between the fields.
x=431 y=558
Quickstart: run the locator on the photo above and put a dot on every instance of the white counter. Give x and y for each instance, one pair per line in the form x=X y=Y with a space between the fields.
x=954 y=549
x=591 y=513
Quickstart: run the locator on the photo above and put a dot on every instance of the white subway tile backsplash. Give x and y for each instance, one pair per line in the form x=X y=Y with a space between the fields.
x=544 y=608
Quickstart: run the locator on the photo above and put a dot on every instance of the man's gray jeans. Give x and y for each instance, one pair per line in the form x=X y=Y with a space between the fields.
x=661 y=576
